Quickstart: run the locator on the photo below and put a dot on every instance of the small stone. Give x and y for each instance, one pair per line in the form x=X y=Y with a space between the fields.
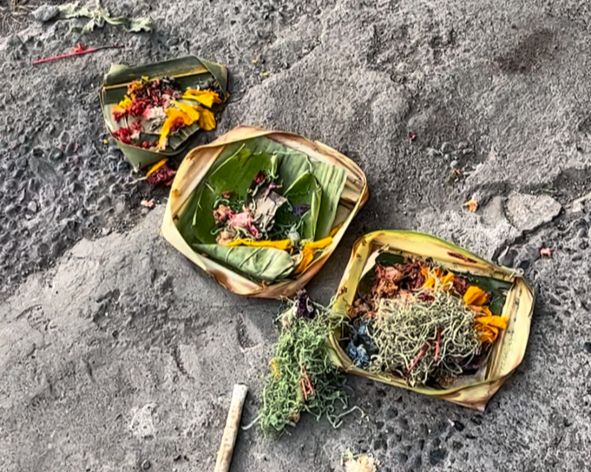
x=507 y=257
x=146 y=465
x=453 y=164
x=587 y=347
x=459 y=425
x=56 y=155
x=32 y=207
x=528 y=212
x=45 y=13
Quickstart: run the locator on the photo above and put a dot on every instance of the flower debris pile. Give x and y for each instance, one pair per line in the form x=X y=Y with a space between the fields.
x=265 y=218
x=153 y=109
x=302 y=377
x=424 y=324
x=265 y=210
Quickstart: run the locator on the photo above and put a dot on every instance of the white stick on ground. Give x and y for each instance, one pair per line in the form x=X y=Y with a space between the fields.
x=226 y=449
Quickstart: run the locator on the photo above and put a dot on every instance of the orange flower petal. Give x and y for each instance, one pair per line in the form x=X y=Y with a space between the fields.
x=307 y=253
x=207 y=120
x=475 y=296
x=205 y=97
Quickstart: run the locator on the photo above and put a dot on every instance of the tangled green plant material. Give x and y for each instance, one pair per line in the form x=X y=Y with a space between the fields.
x=428 y=335
x=302 y=377
x=98 y=16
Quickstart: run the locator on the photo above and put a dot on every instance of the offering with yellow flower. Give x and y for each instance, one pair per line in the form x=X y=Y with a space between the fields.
x=153 y=110
x=262 y=210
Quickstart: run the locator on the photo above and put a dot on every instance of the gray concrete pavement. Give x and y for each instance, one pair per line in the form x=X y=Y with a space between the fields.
x=117 y=355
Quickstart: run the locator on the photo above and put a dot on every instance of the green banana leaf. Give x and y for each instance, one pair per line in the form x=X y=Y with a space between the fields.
x=233 y=157
x=306 y=191
x=497 y=289
x=294 y=164
x=237 y=173
x=332 y=182
x=234 y=171
x=267 y=264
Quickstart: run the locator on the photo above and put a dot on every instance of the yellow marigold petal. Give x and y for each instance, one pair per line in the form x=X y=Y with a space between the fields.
x=207 y=120
x=475 y=296
x=320 y=244
x=488 y=327
x=172 y=115
x=448 y=278
x=308 y=250
x=481 y=310
x=191 y=111
x=283 y=244
x=155 y=167
x=307 y=258
x=205 y=97
x=429 y=282
x=125 y=104
x=496 y=321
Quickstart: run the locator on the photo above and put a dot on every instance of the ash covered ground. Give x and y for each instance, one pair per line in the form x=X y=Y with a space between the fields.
x=117 y=355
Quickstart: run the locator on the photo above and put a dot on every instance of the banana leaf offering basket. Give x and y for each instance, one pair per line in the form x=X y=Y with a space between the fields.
x=153 y=110
x=408 y=273
x=261 y=211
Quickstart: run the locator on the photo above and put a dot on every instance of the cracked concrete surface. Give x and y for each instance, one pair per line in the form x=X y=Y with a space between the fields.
x=117 y=355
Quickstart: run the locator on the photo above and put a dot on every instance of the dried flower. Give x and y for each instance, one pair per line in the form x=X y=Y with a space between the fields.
x=303 y=305
x=175 y=119
x=206 y=120
x=206 y=97
x=308 y=251
x=546 y=252
x=148 y=203
x=471 y=205
x=161 y=173
x=475 y=296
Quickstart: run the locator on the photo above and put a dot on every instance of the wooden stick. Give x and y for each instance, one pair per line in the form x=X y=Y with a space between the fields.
x=226 y=449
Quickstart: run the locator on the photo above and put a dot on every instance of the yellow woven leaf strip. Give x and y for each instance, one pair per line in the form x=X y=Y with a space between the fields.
x=206 y=120
x=175 y=118
x=205 y=97
x=155 y=167
x=475 y=296
x=191 y=111
x=283 y=244
x=308 y=251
